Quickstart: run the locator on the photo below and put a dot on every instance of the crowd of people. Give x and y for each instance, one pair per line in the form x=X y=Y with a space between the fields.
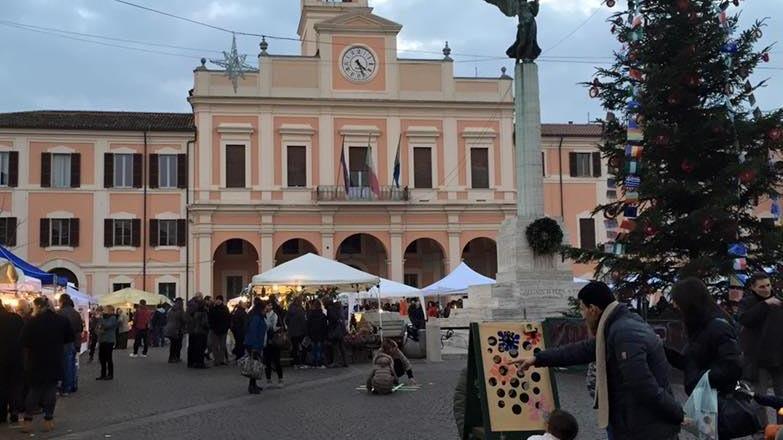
x=632 y=388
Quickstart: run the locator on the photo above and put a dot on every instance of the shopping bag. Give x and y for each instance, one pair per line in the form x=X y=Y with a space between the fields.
x=702 y=410
x=251 y=367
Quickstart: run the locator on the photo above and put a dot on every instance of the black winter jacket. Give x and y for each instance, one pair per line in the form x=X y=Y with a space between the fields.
x=316 y=326
x=761 y=336
x=219 y=319
x=641 y=403
x=714 y=348
x=43 y=338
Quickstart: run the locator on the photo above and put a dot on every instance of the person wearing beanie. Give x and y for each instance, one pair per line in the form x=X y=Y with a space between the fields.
x=633 y=393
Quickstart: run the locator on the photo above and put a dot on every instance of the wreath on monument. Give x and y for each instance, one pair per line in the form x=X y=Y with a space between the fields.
x=544 y=236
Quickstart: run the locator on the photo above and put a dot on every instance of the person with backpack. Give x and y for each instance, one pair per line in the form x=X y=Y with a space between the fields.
x=336 y=332
x=255 y=338
x=382 y=378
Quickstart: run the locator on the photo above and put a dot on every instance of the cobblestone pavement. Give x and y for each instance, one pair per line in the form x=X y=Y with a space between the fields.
x=151 y=399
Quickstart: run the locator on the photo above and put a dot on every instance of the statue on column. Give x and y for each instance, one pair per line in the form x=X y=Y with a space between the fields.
x=525 y=48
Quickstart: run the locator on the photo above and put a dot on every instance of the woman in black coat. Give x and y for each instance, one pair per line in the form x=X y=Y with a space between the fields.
x=317 y=331
x=712 y=340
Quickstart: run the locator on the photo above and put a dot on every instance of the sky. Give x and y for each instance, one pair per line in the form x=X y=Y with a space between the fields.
x=42 y=70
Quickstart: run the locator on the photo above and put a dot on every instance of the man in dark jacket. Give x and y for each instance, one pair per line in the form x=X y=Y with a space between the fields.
x=761 y=337
x=43 y=339
x=70 y=375
x=639 y=397
x=296 y=322
x=219 y=323
x=10 y=365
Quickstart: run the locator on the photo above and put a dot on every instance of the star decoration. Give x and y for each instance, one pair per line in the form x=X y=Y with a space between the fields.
x=234 y=63
x=508 y=340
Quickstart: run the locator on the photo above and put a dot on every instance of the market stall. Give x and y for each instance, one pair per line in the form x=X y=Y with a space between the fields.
x=128 y=297
x=457 y=282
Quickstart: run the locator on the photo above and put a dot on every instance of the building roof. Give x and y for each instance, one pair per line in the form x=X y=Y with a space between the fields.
x=98 y=120
x=571 y=130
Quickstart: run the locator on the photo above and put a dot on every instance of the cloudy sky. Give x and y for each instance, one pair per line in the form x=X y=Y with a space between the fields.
x=42 y=69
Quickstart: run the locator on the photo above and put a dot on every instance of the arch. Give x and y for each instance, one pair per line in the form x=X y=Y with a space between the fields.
x=424 y=262
x=221 y=237
x=234 y=262
x=81 y=279
x=293 y=248
x=437 y=237
x=364 y=250
x=481 y=254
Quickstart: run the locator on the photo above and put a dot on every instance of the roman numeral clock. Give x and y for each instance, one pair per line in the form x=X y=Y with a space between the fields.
x=358 y=64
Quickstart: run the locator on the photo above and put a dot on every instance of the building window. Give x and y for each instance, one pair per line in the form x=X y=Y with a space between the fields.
x=61 y=170
x=8 y=231
x=587 y=233
x=352 y=245
x=4 y=168
x=119 y=286
x=167 y=171
x=297 y=166
x=60 y=232
x=167 y=232
x=422 y=167
x=479 y=168
x=234 y=247
x=235 y=166
x=290 y=247
x=543 y=164
x=123 y=171
x=585 y=164
x=412 y=279
x=122 y=233
x=169 y=290
x=357 y=163
x=234 y=286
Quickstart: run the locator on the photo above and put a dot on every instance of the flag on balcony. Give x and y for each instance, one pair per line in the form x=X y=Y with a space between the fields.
x=396 y=171
x=373 y=178
x=344 y=166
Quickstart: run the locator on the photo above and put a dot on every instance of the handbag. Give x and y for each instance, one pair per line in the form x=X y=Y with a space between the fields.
x=738 y=416
x=251 y=366
x=280 y=339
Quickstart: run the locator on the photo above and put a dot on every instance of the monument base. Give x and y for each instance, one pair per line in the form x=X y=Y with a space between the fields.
x=529 y=286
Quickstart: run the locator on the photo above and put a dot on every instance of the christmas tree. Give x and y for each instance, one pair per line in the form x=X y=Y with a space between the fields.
x=691 y=156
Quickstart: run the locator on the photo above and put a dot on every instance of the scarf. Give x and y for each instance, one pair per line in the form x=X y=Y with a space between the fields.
x=601 y=384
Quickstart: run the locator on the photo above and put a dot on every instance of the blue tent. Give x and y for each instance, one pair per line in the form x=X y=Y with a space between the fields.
x=30 y=270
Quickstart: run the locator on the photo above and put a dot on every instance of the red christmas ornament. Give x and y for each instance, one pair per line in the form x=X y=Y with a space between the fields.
x=747 y=176
x=650 y=230
x=673 y=99
x=707 y=224
x=765 y=57
x=610 y=3
x=683 y=5
x=687 y=166
x=775 y=134
x=594 y=92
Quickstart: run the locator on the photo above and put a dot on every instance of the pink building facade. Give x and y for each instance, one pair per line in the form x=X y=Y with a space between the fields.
x=284 y=165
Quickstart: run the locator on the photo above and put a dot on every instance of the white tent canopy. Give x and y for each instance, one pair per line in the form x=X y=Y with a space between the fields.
x=311 y=270
x=390 y=289
x=457 y=282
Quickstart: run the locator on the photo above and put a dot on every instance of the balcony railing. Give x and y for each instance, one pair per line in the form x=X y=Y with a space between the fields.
x=361 y=194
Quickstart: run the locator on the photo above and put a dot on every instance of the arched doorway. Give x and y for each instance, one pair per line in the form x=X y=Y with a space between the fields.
x=424 y=262
x=63 y=273
x=293 y=248
x=481 y=254
x=233 y=265
x=366 y=252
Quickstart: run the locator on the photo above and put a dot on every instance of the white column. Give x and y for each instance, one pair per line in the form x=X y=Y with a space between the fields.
x=450 y=153
x=327 y=245
x=506 y=153
x=455 y=251
x=204 y=264
x=397 y=256
x=267 y=156
x=530 y=186
x=267 y=252
x=326 y=149
x=204 y=154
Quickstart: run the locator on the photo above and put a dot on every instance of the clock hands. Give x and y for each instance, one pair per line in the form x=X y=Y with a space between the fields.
x=362 y=68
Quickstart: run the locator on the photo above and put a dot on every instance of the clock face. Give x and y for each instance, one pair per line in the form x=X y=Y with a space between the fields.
x=358 y=64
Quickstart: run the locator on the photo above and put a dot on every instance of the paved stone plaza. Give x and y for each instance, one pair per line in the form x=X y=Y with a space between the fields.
x=151 y=399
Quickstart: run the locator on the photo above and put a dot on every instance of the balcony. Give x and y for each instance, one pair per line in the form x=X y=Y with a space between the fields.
x=360 y=194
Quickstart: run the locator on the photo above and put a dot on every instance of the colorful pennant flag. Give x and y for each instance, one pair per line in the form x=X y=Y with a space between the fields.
x=630 y=211
x=374 y=185
x=740 y=264
x=738 y=250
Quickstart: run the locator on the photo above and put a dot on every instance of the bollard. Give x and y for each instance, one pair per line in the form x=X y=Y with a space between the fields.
x=433 y=341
